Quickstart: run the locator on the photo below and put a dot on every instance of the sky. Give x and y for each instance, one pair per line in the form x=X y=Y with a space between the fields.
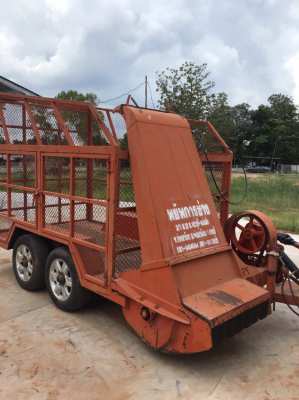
x=108 y=46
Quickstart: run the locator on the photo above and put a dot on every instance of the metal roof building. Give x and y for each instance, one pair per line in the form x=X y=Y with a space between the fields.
x=7 y=85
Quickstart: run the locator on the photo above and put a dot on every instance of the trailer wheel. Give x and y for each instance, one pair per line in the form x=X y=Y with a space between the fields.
x=63 y=283
x=29 y=257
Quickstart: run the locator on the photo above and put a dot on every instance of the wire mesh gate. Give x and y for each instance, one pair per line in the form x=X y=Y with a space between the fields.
x=74 y=202
x=17 y=190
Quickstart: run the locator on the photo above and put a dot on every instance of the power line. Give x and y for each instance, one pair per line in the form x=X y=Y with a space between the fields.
x=122 y=95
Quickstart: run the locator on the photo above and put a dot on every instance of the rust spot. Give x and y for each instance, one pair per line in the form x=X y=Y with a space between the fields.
x=224 y=298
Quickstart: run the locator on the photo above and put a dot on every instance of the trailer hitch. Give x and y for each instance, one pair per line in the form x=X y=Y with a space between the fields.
x=289 y=295
x=290 y=265
x=287 y=239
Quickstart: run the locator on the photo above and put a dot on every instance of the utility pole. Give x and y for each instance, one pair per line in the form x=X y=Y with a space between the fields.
x=145 y=92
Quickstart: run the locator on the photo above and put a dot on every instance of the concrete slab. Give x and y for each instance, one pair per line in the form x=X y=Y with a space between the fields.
x=48 y=354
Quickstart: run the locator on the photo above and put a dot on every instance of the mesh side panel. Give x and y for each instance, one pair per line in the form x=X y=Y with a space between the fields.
x=126 y=192
x=217 y=170
x=99 y=213
x=3 y=168
x=91 y=178
x=83 y=127
x=57 y=214
x=18 y=125
x=5 y=225
x=131 y=261
x=127 y=246
x=118 y=123
x=77 y=123
x=47 y=124
x=13 y=114
x=21 y=136
x=81 y=177
x=29 y=134
x=99 y=179
x=23 y=171
x=3 y=198
x=23 y=206
x=58 y=218
x=15 y=135
x=90 y=182
x=204 y=140
x=57 y=172
x=91 y=230
x=98 y=135
x=2 y=137
x=80 y=210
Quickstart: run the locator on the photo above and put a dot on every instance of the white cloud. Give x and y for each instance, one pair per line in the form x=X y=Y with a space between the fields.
x=58 y=7
x=292 y=66
x=107 y=46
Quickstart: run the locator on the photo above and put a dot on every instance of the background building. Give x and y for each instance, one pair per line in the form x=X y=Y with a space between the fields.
x=9 y=86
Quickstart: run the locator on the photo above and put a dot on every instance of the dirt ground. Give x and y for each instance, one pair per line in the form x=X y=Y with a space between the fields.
x=48 y=354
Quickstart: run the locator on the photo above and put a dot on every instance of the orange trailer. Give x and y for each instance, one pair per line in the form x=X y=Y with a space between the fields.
x=143 y=227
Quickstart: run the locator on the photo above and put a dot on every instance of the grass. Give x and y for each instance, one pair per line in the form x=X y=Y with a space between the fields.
x=275 y=195
x=52 y=184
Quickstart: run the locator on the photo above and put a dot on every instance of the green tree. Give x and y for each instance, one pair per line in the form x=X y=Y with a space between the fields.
x=234 y=123
x=185 y=90
x=271 y=130
x=78 y=121
x=188 y=91
x=241 y=132
x=220 y=115
x=283 y=107
x=275 y=130
x=77 y=96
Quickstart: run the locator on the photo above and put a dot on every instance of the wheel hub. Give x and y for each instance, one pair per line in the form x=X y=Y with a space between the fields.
x=248 y=234
x=24 y=263
x=60 y=279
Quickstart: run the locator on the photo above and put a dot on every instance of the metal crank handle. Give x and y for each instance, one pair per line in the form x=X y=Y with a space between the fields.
x=289 y=264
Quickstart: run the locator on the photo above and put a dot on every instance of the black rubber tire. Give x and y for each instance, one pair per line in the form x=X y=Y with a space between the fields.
x=79 y=296
x=39 y=251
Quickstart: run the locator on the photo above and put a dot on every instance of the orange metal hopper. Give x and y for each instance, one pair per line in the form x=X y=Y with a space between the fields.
x=187 y=265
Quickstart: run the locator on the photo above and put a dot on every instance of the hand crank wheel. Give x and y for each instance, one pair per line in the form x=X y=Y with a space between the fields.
x=249 y=234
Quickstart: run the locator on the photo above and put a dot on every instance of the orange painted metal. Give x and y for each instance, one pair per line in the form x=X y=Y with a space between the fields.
x=226 y=300
x=142 y=225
